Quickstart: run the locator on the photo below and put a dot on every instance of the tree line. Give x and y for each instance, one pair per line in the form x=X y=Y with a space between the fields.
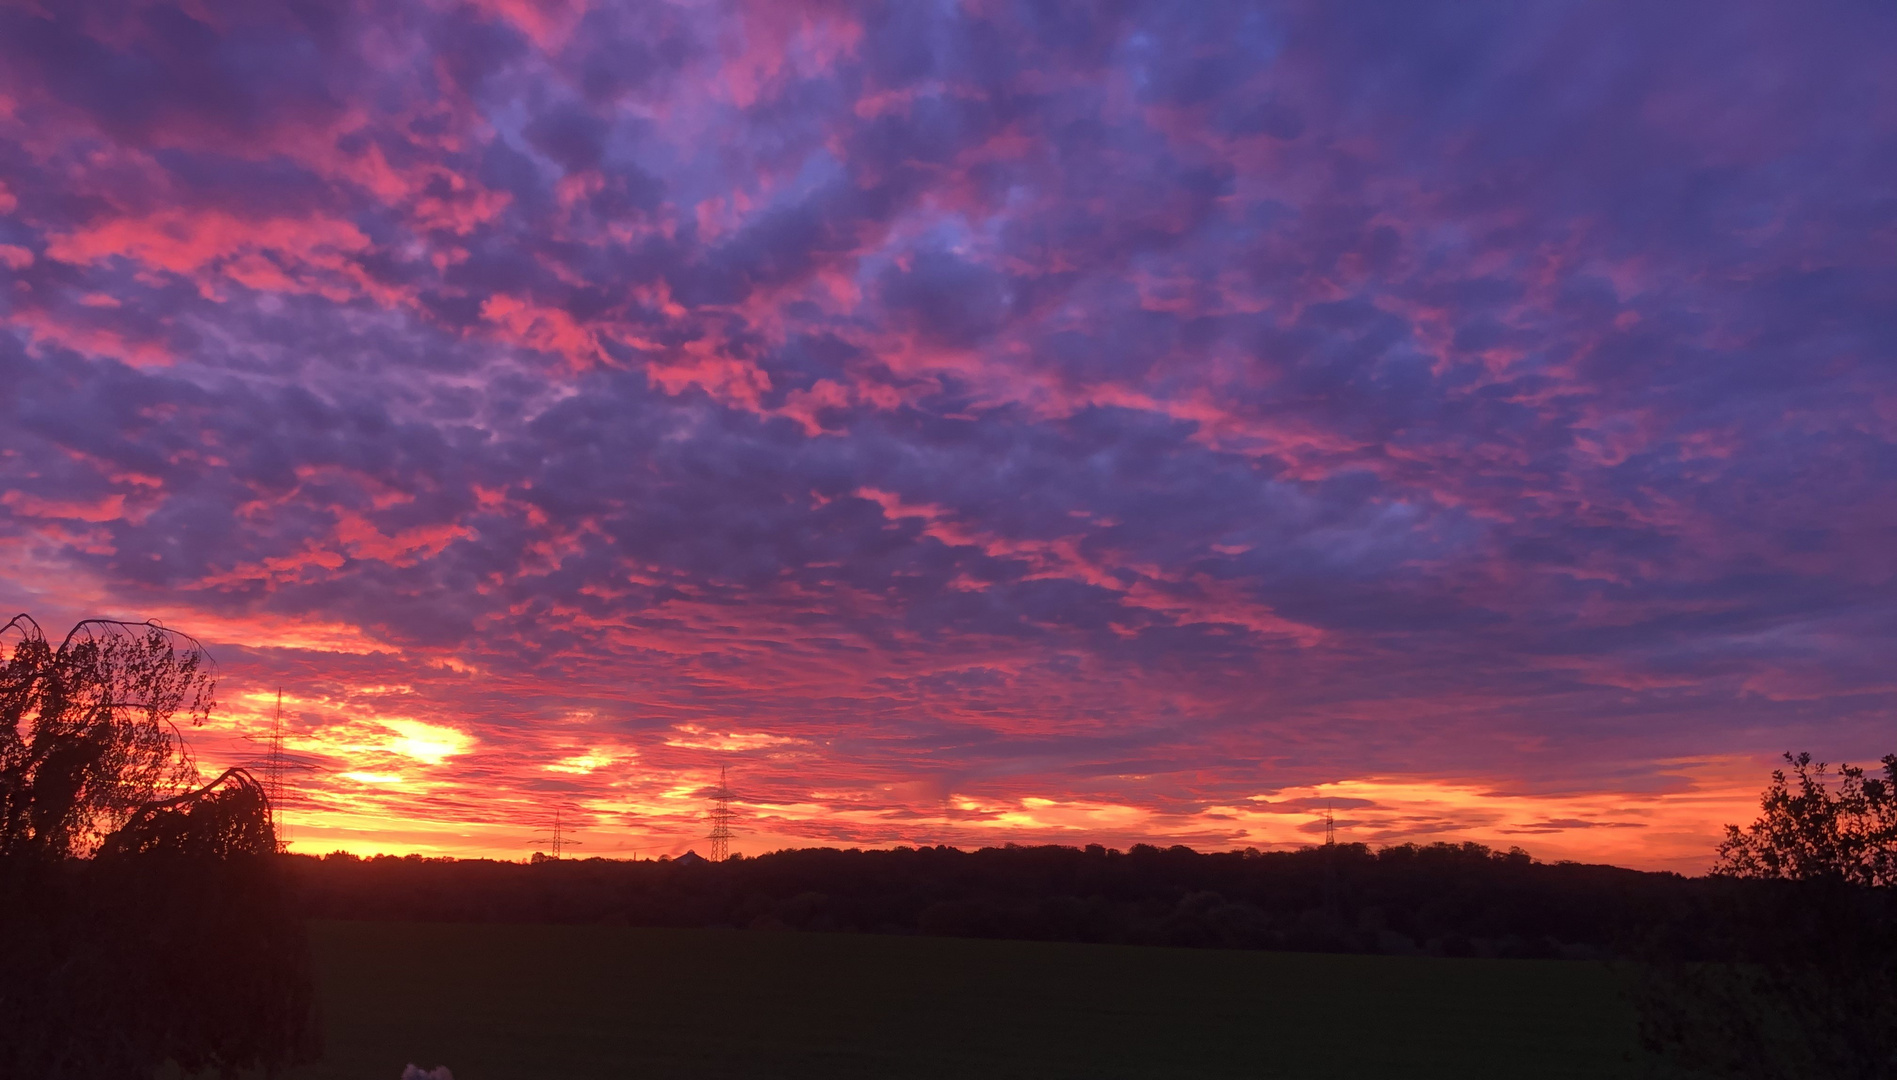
x=147 y=917
x=1439 y=899
x=1780 y=964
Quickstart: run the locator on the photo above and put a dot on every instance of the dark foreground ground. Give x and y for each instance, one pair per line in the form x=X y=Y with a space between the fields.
x=525 y=1002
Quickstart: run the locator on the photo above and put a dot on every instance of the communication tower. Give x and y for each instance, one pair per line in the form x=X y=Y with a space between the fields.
x=721 y=816
x=1330 y=826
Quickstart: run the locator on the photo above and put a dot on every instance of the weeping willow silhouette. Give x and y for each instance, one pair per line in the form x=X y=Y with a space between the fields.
x=144 y=917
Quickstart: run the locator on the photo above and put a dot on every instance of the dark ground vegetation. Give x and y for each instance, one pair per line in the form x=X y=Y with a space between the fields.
x=1804 y=924
x=514 y=1002
x=147 y=921
x=1783 y=964
x=1443 y=900
x=144 y=918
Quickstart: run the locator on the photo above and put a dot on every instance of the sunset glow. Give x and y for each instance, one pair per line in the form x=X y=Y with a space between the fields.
x=969 y=423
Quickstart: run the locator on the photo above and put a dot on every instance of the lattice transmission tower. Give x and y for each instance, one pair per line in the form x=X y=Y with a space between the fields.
x=273 y=775
x=559 y=836
x=278 y=767
x=721 y=815
x=273 y=767
x=1330 y=826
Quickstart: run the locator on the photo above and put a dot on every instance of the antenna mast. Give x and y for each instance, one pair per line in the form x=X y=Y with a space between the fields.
x=721 y=815
x=1330 y=826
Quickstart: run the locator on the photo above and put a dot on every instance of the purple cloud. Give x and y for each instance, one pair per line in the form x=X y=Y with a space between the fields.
x=1154 y=408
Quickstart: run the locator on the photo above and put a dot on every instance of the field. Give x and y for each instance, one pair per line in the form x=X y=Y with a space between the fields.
x=576 y=1003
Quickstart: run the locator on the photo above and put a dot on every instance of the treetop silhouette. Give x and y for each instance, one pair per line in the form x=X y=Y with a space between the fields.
x=144 y=918
x=1807 y=831
x=88 y=729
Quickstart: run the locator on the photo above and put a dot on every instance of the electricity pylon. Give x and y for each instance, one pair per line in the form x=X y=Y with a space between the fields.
x=274 y=767
x=721 y=816
x=558 y=839
x=273 y=775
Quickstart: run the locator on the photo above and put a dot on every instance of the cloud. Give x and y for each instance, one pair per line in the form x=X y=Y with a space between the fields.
x=1135 y=410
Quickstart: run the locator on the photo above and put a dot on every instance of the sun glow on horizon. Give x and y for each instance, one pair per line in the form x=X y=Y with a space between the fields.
x=658 y=813
x=1149 y=428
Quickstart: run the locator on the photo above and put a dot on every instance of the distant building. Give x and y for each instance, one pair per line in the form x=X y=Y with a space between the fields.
x=691 y=858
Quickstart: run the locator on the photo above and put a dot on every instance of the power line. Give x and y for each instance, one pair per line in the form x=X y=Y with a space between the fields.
x=721 y=815
x=276 y=765
x=273 y=775
x=280 y=767
x=559 y=837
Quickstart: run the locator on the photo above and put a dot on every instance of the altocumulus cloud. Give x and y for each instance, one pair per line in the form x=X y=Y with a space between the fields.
x=993 y=421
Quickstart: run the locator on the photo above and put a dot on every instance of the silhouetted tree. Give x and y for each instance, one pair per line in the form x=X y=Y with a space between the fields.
x=1811 y=832
x=1805 y=939
x=142 y=919
x=87 y=729
x=1452 y=899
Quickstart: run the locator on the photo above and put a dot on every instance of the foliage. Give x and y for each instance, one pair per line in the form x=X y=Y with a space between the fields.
x=1801 y=976
x=1440 y=899
x=141 y=921
x=227 y=818
x=87 y=731
x=612 y=1003
x=1808 y=831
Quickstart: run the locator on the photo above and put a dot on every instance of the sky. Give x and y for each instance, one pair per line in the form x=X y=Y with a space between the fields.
x=997 y=422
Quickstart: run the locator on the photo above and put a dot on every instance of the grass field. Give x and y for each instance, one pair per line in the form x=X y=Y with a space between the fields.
x=576 y=1003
